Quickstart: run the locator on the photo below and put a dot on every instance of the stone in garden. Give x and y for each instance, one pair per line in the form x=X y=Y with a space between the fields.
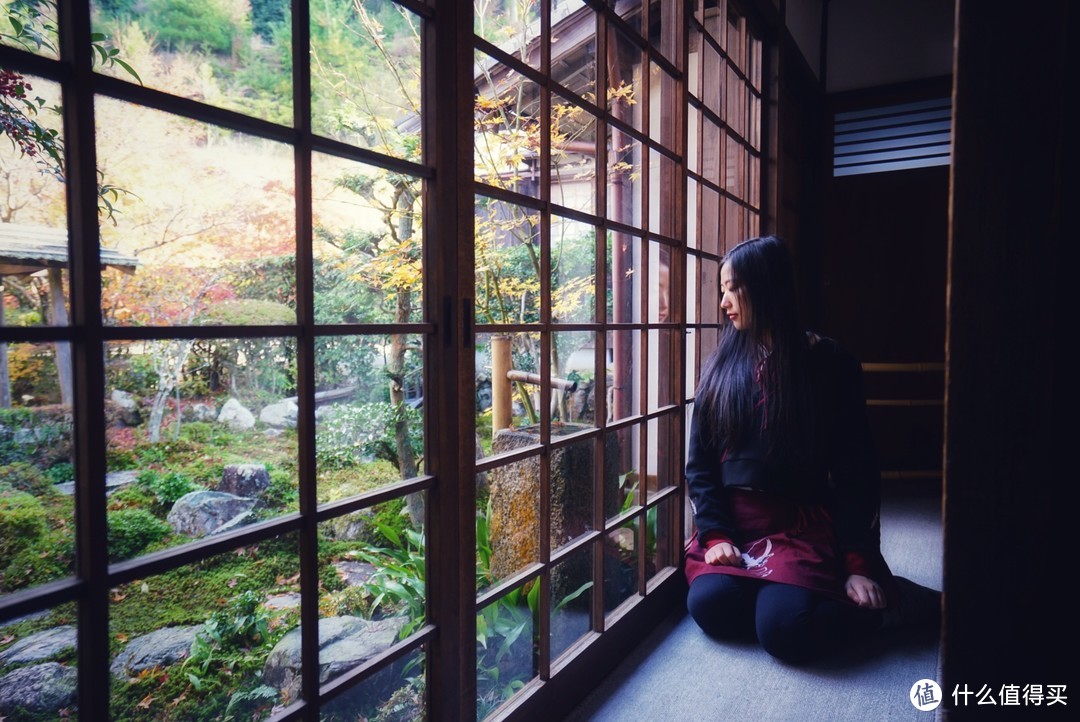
x=200 y=513
x=114 y=480
x=40 y=646
x=349 y=527
x=43 y=688
x=281 y=415
x=354 y=573
x=289 y=600
x=160 y=648
x=201 y=412
x=515 y=492
x=344 y=643
x=127 y=408
x=236 y=416
x=249 y=480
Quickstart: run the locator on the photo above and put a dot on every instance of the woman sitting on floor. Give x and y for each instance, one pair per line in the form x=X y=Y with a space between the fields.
x=784 y=481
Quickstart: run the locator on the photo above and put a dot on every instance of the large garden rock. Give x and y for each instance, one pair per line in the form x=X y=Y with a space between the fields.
x=282 y=415
x=42 y=688
x=40 y=646
x=201 y=412
x=344 y=643
x=515 y=490
x=126 y=408
x=157 y=649
x=248 y=480
x=200 y=513
x=354 y=573
x=236 y=416
x=349 y=527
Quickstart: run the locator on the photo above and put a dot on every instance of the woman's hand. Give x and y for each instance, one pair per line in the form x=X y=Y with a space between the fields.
x=863 y=591
x=723 y=553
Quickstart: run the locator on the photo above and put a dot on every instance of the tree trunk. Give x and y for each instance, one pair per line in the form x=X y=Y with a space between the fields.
x=63 y=348
x=5 y=378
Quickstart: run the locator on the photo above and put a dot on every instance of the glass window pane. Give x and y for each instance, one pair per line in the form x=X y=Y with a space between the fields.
x=393 y=693
x=712 y=151
x=217 y=52
x=734 y=112
x=710 y=220
x=368 y=243
x=507 y=262
x=622 y=465
x=369 y=419
x=573 y=156
x=513 y=26
x=620 y=564
x=691 y=361
x=624 y=78
x=735 y=167
x=693 y=132
x=506 y=648
x=372 y=569
x=624 y=278
x=623 y=372
x=662 y=537
x=201 y=438
x=573 y=47
x=710 y=291
x=693 y=239
x=734 y=222
x=573 y=271
x=366 y=76
x=37 y=479
x=663 y=452
x=623 y=177
x=573 y=382
x=33 y=237
x=507 y=127
x=664 y=182
x=662 y=378
x=712 y=78
x=507 y=390
x=572 y=491
x=660 y=260
x=691 y=288
x=214 y=236
x=571 y=593
x=663 y=107
x=508 y=523
x=230 y=621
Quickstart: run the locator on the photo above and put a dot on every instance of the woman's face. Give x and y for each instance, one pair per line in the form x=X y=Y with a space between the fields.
x=733 y=301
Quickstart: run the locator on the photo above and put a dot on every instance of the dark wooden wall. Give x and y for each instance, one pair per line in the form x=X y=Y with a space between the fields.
x=1010 y=547
x=883 y=296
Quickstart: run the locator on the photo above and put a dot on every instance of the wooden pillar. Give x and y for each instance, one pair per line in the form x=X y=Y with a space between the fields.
x=1009 y=414
x=5 y=379
x=63 y=348
x=501 y=394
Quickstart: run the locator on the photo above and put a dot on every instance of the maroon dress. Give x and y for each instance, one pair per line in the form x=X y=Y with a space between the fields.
x=809 y=524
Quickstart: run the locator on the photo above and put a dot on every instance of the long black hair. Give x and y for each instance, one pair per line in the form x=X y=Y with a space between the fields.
x=765 y=361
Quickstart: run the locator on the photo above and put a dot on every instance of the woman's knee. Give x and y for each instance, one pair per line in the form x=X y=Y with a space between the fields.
x=721 y=606
x=785 y=626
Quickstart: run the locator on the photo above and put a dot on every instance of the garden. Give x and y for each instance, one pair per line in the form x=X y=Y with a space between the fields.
x=201 y=433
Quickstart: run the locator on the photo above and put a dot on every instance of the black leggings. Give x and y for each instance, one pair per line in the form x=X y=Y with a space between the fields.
x=792 y=624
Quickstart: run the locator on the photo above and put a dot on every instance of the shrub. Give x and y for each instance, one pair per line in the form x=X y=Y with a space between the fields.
x=131 y=531
x=61 y=472
x=167 y=487
x=356 y=432
x=24 y=477
x=22 y=522
x=39 y=563
x=39 y=436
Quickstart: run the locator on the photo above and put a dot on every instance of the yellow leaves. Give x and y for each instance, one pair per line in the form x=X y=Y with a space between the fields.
x=623 y=92
x=145 y=702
